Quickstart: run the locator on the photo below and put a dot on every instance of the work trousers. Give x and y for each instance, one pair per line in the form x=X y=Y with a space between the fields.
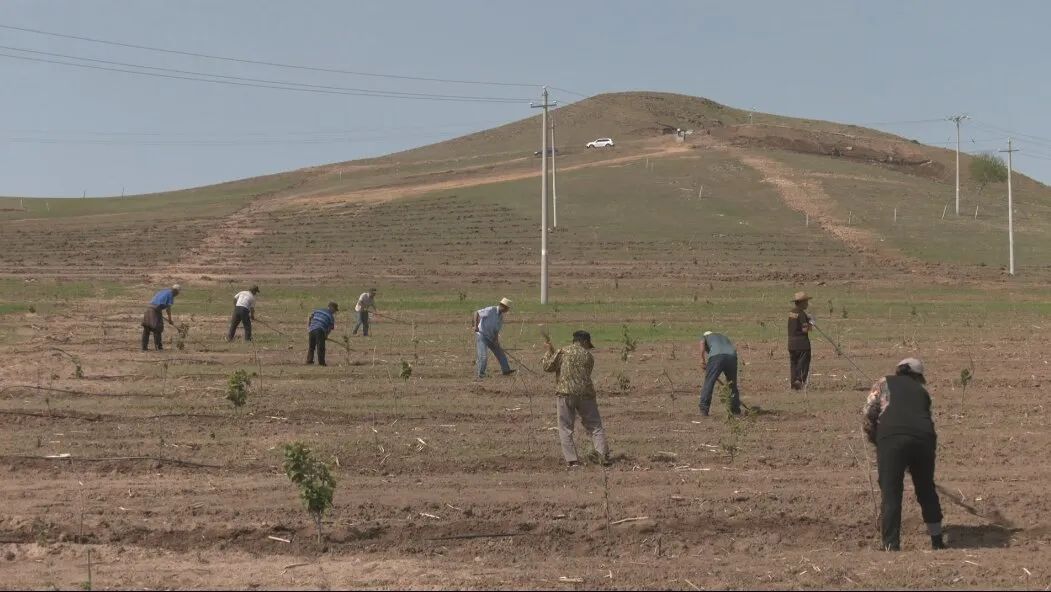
x=317 y=343
x=724 y=365
x=157 y=334
x=799 y=367
x=569 y=406
x=483 y=346
x=895 y=454
x=242 y=315
x=363 y=323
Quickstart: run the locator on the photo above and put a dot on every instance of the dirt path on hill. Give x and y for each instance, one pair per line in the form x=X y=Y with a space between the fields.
x=808 y=197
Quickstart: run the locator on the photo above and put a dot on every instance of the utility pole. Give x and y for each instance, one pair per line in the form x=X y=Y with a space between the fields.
x=554 y=190
x=543 y=194
x=957 y=119
x=1010 y=213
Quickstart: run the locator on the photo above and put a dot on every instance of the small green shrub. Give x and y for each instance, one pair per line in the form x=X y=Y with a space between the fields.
x=988 y=168
x=237 y=388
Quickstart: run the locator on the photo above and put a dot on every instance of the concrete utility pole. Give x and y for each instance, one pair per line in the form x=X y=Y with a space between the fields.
x=1010 y=213
x=554 y=190
x=543 y=194
x=957 y=119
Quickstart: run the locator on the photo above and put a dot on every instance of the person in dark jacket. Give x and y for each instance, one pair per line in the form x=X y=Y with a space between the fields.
x=799 y=325
x=322 y=322
x=898 y=421
x=719 y=357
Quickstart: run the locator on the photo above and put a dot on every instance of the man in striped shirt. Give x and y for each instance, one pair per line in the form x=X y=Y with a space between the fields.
x=322 y=322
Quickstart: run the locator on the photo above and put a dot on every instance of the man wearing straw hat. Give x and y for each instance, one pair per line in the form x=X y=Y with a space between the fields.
x=799 y=325
x=487 y=324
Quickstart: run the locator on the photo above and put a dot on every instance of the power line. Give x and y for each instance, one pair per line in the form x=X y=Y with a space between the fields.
x=569 y=92
x=265 y=63
x=1032 y=138
x=1036 y=156
x=242 y=134
x=907 y=122
x=244 y=81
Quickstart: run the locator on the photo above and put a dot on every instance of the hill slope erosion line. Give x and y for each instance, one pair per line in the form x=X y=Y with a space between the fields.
x=810 y=199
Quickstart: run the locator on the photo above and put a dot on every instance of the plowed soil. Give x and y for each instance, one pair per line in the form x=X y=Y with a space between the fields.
x=448 y=482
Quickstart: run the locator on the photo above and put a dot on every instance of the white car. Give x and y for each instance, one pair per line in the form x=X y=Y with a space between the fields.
x=600 y=143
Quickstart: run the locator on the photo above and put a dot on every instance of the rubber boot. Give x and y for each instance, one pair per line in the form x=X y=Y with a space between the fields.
x=938 y=542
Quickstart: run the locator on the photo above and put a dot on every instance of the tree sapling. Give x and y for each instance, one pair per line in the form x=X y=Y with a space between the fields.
x=316 y=484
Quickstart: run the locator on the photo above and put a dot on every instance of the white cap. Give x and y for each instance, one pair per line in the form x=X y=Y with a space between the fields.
x=914 y=364
x=176 y=287
x=505 y=302
x=707 y=333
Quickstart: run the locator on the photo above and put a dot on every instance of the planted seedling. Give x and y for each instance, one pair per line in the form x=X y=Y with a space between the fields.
x=182 y=331
x=237 y=388
x=966 y=376
x=623 y=382
x=628 y=345
x=78 y=370
x=316 y=484
x=736 y=428
x=406 y=370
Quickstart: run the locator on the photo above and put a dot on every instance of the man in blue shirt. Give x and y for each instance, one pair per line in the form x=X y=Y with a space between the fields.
x=719 y=357
x=153 y=321
x=322 y=322
x=487 y=324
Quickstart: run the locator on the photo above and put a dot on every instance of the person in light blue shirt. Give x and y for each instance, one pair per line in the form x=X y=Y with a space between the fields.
x=153 y=321
x=719 y=357
x=322 y=322
x=487 y=324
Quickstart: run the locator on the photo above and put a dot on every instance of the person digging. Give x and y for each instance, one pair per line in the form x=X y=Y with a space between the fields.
x=487 y=324
x=575 y=393
x=897 y=419
x=153 y=319
x=799 y=324
x=718 y=357
x=322 y=322
x=244 y=313
x=366 y=301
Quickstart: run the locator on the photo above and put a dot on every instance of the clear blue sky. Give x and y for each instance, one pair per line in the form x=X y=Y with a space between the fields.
x=64 y=130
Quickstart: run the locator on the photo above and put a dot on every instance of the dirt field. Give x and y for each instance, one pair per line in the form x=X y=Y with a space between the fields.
x=168 y=486
x=448 y=482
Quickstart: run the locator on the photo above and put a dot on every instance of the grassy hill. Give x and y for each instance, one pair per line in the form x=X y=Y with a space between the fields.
x=731 y=201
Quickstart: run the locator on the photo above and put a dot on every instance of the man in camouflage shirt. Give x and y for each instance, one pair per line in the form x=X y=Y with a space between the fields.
x=572 y=366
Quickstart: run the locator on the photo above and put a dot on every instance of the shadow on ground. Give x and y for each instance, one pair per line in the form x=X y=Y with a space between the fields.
x=988 y=536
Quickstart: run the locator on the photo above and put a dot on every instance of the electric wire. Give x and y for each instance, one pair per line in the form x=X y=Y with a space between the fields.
x=245 y=81
x=266 y=63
